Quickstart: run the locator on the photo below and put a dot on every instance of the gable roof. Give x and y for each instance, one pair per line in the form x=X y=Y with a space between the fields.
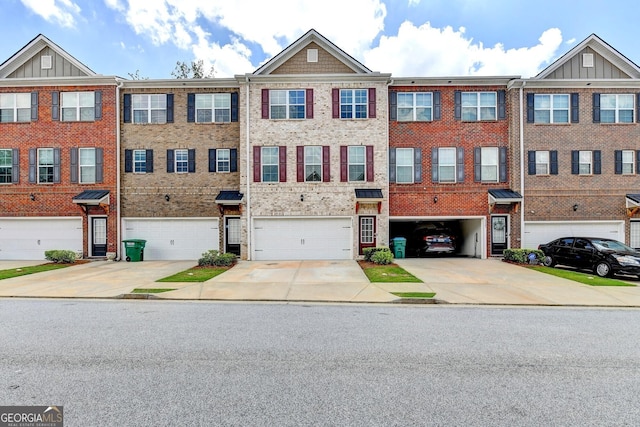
x=600 y=47
x=312 y=36
x=33 y=48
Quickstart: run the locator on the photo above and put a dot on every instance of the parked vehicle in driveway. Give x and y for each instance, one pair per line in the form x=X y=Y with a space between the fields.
x=434 y=239
x=604 y=257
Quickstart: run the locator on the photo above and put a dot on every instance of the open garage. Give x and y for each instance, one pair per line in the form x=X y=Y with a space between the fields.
x=537 y=232
x=469 y=233
x=29 y=238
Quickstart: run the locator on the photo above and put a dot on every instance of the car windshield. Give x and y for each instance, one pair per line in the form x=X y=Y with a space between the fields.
x=611 y=245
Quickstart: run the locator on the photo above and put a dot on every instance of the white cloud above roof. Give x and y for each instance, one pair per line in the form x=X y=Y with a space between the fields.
x=63 y=12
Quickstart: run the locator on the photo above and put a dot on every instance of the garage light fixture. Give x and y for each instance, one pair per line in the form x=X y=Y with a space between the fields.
x=435 y=199
x=32 y=197
x=575 y=207
x=302 y=197
x=166 y=197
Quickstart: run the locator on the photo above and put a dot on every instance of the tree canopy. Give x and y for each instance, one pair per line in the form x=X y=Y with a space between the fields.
x=195 y=70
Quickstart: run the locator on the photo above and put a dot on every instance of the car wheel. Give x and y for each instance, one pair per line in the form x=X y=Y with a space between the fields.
x=602 y=269
x=548 y=261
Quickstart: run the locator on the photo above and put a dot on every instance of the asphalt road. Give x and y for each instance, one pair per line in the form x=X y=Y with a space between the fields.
x=167 y=363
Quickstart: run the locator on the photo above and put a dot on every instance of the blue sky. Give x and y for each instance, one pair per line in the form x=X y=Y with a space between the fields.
x=405 y=37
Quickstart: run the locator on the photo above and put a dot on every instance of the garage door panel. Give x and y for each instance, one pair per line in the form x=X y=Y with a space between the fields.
x=29 y=238
x=536 y=233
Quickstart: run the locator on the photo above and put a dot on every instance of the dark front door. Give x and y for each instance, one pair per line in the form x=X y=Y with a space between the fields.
x=99 y=237
x=498 y=234
x=367 y=232
x=232 y=229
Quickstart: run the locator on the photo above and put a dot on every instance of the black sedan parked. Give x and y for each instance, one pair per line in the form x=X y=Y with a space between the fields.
x=603 y=256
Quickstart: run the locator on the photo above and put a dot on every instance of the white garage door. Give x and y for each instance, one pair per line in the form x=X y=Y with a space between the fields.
x=536 y=233
x=29 y=238
x=302 y=238
x=173 y=238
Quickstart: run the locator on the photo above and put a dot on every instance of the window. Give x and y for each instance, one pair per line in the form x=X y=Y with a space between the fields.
x=586 y=162
x=78 y=106
x=627 y=161
x=213 y=107
x=404 y=165
x=616 y=108
x=287 y=104
x=223 y=160
x=477 y=106
x=356 y=161
x=269 y=160
x=140 y=161
x=489 y=164
x=87 y=165
x=6 y=166
x=182 y=161
x=446 y=165
x=45 y=165
x=353 y=103
x=15 y=107
x=551 y=108
x=415 y=106
x=542 y=163
x=313 y=164
x=149 y=108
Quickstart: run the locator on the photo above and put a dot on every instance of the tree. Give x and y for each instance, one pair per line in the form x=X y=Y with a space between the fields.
x=195 y=70
x=137 y=76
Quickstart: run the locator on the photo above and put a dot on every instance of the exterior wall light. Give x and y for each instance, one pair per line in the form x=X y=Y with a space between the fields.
x=575 y=207
x=435 y=199
x=166 y=197
x=32 y=197
x=302 y=197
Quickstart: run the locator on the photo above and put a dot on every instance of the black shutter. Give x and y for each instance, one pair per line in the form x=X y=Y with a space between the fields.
x=212 y=159
x=98 y=104
x=460 y=164
x=638 y=107
x=575 y=108
x=457 y=99
x=191 y=160
x=618 y=162
x=393 y=105
x=234 y=106
x=34 y=106
x=74 y=166
x=56 y=165
x=170 y=164
x=596 y=108
x=149 y=161
x=502 y=105
x=437 y=105
x=553 y=159
x=502 y=167
x=15 y=165
x=638 y=162
x=575 y=162
x=191 y=107
x=126 y=111
x=597 y=162
x=169 y=108
x=531 y=108
x=392 y=165
x=55 y=105
x=99 y=165
x=434 y=165
x=233 y=157
x=417 y=165
x=128 y=161
x=532 y=162
x=33 y=176
x=477 y=164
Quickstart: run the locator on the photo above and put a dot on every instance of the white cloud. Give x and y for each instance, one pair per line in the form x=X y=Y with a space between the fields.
x=61 y=11
x=429 y=51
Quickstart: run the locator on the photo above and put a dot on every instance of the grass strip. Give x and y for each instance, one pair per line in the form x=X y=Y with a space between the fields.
x=23 y=271
x=416 y=295
x=391 y=273
x=195 y=274
x=577 y=276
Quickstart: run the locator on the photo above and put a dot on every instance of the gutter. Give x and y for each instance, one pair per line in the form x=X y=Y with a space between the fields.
x=248 y=158
x=118 y=195
x=521 y=118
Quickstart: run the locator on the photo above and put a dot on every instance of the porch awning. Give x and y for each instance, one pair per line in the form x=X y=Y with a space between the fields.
x=504 y=196
x=229 y=197
x=633 y=200
x=92 y=197
x=369 y=195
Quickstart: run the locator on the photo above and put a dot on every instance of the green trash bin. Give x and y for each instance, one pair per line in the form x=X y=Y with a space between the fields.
x=399 y=246
x=134 y=248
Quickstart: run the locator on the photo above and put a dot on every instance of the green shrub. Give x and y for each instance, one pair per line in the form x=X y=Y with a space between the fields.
x=521 y=256
x=370 y=252
x=60 y=256
x=214 y=258
x=382 y=256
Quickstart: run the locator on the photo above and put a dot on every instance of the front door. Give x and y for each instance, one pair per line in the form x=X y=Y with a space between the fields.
x=232 y=238
x=99 y=237
x=367 y=233
x=498 y=234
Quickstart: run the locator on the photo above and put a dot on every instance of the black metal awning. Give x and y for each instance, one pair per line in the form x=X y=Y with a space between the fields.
x=369 y=194
x=92 y=197
x=504 y=196
x=229 y=197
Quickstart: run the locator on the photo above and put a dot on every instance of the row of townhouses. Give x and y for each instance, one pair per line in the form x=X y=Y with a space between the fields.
x=314 y=156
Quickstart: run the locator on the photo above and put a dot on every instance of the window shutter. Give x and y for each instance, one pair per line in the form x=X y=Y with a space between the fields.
x=637 y=162
x=169 y=108
x=369 y=154
x=434 y=165
x=191 y=109
x=618 y=162
x=56 y=165
x=477 y=164
x=257 y=176
x=234 y=106
x=502 y=104
x=335 y=103
x=33 y=154
x=15 y=165
x=417 y=165
x=344 y=163
x=126 y=110
x=460 y=165
x=597 y=162
x=99 y=165
x=457 y=100
x=191 y=160
x=532 y=162
x=98 y=104
x=575 y=162
x=372 y=102
x=326 y=164
x=309 y=100
x=212 y=159
x=596 y=108
x=392 y=165
x=34 y=106
x=502 y=168
x=300 y=163
x=128 y=161
x=531 y=109
x=575 y=108
x=638 y=107
x=170 y=163
x=282 y=166
x=437 y=105
x=265 y=103
x=393 y=105
x=55 y=105
x=233 y=160
x=149 y=161
x=553 y=159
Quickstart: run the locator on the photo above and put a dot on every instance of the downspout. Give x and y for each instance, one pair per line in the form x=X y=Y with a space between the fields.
x=248 y=166
x=389 y=84
x=522 y=163
x=118 y=195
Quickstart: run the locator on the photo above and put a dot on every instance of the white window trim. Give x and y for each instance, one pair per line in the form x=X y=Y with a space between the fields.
x=353 y=162
x=77 y=106
x=632 y=154
x=484 y=164
x=9 y=166
x=16 y=106
x=213 y=108
x=478 y=107
x=546 y=164
x=319 y=165
x=551 y=109
x=81 y=166
x=414 y=108
x=148 y=108
x=139 y=162
x=580 y=162
x=263 y=164
x=181 y=151
x=39 y=165
x=353 y=104
x=287 y=104
x=617 y=109
x=410 y=165
x=226 y=161
x=454 y=164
